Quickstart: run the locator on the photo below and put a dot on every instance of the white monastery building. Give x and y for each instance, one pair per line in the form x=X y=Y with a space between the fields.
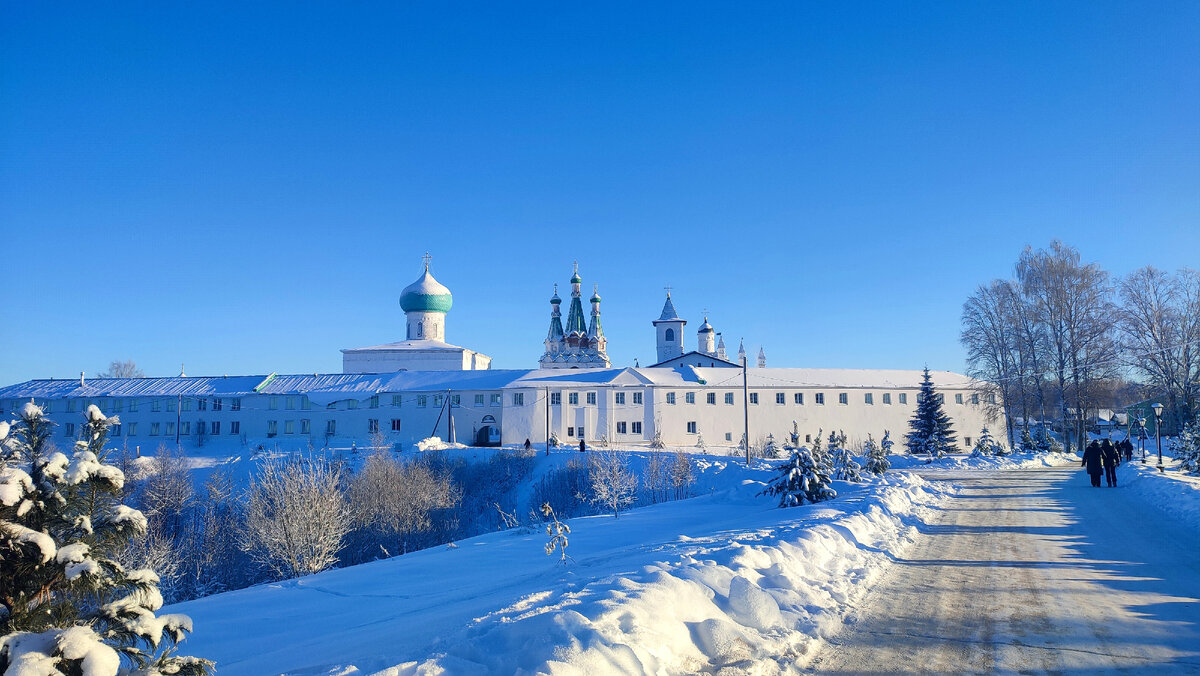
x=422 y=386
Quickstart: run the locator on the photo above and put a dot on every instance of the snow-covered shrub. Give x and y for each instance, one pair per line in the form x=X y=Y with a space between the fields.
x=683 y=476
x=986 y=446
x=877 y=460
x=657 y=442
x=296 y=517
x=567 y=487
x=800 y=478
x=1027 y=443
x=613 y=484
x=657 y=477
x=68 y=606
x=770 y=449
x=553 y=442
x=392 y=500
x=700 y=446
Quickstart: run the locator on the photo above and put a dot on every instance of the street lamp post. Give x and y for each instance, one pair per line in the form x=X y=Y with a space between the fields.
x=1158 y=432
x=1142 y=437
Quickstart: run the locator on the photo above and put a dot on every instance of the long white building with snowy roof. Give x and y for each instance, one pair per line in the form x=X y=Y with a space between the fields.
x=399 y=393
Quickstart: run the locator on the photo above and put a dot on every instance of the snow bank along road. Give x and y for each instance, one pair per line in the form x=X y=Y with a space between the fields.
x=1032 y=571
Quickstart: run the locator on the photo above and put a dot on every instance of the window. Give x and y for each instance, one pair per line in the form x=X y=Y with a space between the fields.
x=669 y=335
x=798 y=397
x=185 y=428
x=580 y=432
x=887 y=398
x=396 y=399
x=306 y=426
x=975 y=399
x=153 y=429
x=201 y=404
x=456 y=400
x=305 y=404
x=217 y=404
x=903 y=398
x=753 y=398
x=353 y=403
x=235 y=405
x=868 y=399
x=330 y=428
x=235 y=427
x=637 y=427
x=556 y=398
x=422 y=400
x=670 y=397
x=780 y=398
x=114 y=431
x=375 y=401
x=808 y=438
x=941 y=398
x=591 y=398
x=518 y=399
x=372 y=426
x=479 y=400
x=958 y=398
x=119 y=404
x=216 y=427
x=200 y=428
x=132 y=406
x=170 y=429
x=331 y=406
x=843 y=398
x=711 y=397
x=819 y=397
x=729 y=436
x=289 y=427
x=968 y=440
x=637 y=398
x=132 y=430
x=272 y=428
x=570 y=431
x=689 y=397
x=495 y=400
x=71 y=406
x=619 y=398
x=991 y=398
x=184 y=405
x=274 y=403
x=621 y=428
x=729 y=398
x=395 y=424
x=573 y=398
x=691 y=427
x=155 y=406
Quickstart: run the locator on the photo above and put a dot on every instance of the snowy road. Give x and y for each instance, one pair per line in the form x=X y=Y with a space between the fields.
x=1032 y=571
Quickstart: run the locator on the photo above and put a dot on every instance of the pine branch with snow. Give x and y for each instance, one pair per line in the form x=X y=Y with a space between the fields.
x=69 y=606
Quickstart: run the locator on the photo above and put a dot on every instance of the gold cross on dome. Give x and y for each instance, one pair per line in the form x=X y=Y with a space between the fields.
x=668 y=288
x=426 y=258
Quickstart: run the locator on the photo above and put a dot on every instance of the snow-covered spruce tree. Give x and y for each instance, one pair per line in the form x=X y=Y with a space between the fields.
x=613 y=484
x=1187 y=448
x=845 y=468
x=877 y=460
x=930 y=430
x=818 y=453
x=553 y=442
x=700 y=446
x=68 y=606
x=296 y=517
x=1027 y=443
x=985 y=446
x=800 y=478
x=657 y=442
x=770 y=449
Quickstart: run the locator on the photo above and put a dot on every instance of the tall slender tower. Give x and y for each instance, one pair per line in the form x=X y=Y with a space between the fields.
x=669 y=330
x=762 y=359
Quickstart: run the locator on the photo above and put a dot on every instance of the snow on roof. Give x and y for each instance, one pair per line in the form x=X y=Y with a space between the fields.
x=409 y=345
x=668 y=313
x=792 y=377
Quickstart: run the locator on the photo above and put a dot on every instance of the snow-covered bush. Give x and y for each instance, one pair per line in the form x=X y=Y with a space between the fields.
x=986 y=446
x=613 y=484
x=845 y=468
x=770 y=449
x=683 y=476
x=657 y=477
x=657 y=442
x=800 y=478
x=1027 y=443
x=558 y=532
x=296 y=517
x=877 y=460
x=392 y=500
x=68 y=606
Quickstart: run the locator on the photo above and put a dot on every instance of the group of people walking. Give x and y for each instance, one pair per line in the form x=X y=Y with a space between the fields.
x=1104 y=457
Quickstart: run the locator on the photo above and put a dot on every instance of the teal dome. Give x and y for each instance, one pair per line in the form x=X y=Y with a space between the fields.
x=426 y=295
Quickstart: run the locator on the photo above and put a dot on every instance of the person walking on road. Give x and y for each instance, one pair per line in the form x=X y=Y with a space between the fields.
x=1127 y=446
x=1092 y=459
x=1111 y=460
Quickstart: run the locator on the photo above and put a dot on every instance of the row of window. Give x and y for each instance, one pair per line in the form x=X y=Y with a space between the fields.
x=164 y=429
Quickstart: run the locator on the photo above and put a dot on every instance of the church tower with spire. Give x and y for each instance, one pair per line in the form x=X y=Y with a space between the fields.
x=577 y=344
x=669 y=330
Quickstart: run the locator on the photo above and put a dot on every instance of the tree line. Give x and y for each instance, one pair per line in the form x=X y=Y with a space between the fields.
x=1050 y=340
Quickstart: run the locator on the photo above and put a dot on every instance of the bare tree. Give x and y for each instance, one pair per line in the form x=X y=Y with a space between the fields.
x=613 y=484
x=122 y=369
x=992 y=343
x=166 y=491
x=1160 y=328
x=398 y=499
x=296 y=517
x=683 y=475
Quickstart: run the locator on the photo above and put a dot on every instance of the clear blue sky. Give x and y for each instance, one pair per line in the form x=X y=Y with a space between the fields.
x=247 y=187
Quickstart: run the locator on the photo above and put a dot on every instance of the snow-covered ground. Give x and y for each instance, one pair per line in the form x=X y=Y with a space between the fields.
x=965 y=461
x=722 y=581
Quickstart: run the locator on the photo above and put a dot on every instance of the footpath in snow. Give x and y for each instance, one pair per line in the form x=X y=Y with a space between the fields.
x=724 y=582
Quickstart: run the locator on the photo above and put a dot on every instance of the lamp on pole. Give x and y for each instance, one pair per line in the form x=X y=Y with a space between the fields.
x=1142 y=436
x=1158 y=432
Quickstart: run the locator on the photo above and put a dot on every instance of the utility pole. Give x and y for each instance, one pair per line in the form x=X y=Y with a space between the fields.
x=178 y=418
x=547 y=421
x=746 y=408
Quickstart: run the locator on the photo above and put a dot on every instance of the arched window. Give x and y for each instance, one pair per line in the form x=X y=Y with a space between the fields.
x=420 y=329
x=670 y=335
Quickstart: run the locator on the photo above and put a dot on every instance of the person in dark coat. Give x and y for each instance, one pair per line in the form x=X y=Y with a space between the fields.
x=583 y=447
x=1127 y=447
x=1111 y=460
x=1093 y=460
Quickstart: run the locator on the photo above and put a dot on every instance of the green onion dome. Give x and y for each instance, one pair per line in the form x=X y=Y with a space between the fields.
x=426 y=295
